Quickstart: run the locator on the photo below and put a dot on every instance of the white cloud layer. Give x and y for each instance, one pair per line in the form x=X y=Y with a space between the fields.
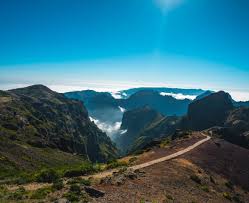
x=109 y=129
x=237 y=95
x=179 y=95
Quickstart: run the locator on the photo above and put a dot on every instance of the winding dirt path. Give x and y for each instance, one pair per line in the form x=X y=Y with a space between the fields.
x=150 y=163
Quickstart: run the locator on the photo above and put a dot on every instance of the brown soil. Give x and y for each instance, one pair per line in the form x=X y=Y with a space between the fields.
x=170 y=181
x=224 y=158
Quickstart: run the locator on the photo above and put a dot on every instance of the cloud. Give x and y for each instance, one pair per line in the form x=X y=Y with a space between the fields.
x=122 y=109
x=109 y=129
x=179 y=96
x=167 y=5
x=239 y=95
x=123 y=132
x=116 y=95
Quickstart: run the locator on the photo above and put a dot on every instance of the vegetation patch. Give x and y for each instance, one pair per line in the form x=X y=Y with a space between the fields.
x=41 y=193
x=58 y=185
x=47 y=176
x=19 y=194
x=116 y=164
x=227 y=196
x=75 y=194
x=85 y=169
x=195 y=178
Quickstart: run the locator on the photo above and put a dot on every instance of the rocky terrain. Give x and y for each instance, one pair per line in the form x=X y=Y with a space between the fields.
x=41 y=128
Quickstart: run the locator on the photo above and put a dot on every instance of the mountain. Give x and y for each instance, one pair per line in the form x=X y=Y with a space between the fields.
x=209 y=111
x=218 y=113
x=127 y=93
x=166 y=105
x=38 y=125
x=100 y=105
x=236 y=127
x=133 y=123
x=241 y=104
x=157 y=130
x=205 y=94
x=215 y=113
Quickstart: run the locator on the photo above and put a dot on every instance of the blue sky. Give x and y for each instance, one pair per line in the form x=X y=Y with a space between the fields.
x=115 y=44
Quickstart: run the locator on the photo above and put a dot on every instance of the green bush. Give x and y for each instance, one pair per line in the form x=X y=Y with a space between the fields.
x=229 y=184
x=19 y=194
x=132 y=160
x=58 y=185
x=227 y=196
x=85 y=182
x=205 y=188
x=115 y=164
x=72 y=197
x=79 y=180
x=41 y=193
x=75 y=188
x=24 y=179
x=47 y=176
x=3 y=191
x=85 y=169
x=75 y=195
x=195 y=178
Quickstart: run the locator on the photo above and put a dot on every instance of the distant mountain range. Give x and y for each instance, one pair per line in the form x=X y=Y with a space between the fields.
x=215 y=113
x=205 y=109
x=106 y=109
x=127 y=93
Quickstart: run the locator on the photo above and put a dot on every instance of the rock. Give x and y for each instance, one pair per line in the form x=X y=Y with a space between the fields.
x=131 y=174
x=94 y=192
x=62 y=200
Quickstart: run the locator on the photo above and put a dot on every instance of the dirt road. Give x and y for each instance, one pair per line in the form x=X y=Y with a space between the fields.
x=165 y=158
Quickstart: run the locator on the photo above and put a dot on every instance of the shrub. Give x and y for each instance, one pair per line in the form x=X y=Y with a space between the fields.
x=212 y=180
x=41 y=193
x=24 y=179
x=115 y=164
x=169 y=197
x=227 y=196
x=236 y=198
x=205 y=188
x=165 y=143
x=79 y=180
x=85 y=169
x=3 y=191
x=19 y=194
x=72 y=197
x=47 y=176
x=58 y=185
x=195 y=178
x=75 y=189
x=229 y=184
x=85 y=182
x=132 y=160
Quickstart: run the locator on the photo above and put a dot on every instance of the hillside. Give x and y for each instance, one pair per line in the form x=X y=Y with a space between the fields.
x=209 y=111
x=133 y=123
x=41 y=128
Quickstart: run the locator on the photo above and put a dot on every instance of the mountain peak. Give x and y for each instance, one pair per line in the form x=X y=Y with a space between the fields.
x=209 y=111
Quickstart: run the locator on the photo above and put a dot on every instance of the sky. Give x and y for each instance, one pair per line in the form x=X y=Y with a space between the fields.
x=117 y=44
